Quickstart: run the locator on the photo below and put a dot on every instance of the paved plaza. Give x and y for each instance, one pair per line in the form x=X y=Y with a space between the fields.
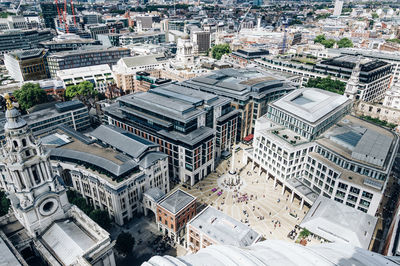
x=257 y=203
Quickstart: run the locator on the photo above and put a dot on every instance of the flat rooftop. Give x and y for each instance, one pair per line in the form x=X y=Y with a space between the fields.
x=337 y=222
x=239 y=83
x=176 y=201
x=360 y=141
x=223 y=228
x=7 y=257
x=67 y=241
x=311 y=105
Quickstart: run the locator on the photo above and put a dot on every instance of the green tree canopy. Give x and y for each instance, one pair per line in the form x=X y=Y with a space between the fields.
x=29 y=95
x=124 y=243
x=84 y=92
x=219 y=50
x=328 y=43
x=304 y=233
x=327 y=84
x=344 y=43
x=375 y=15
x=4 y=204
x=101 y=218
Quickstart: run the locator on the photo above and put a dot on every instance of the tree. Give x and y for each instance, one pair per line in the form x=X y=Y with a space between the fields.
x=101 y=218
x=344 y=43
x=29 y=95
x=124 y=243
x=327 y=84
x=84 y=92
x=219 y=50
x=4 y=204
x=320 y=38
x=304 y=233
x=375 y=15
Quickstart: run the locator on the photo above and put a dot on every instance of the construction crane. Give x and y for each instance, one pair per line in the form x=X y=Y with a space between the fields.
x=244 y=17
x=19 y=5
x=60 y=20
x=73 y=12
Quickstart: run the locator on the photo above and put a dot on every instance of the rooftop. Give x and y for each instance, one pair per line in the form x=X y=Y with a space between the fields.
x=87 y=50
x=310 y=104
x=337 y=222
x=27 y=54
x=239 y=84
x=176 y=201
x=7 y=257
x=143 y=60
x=67 y=241
x=81 y=71
x=359 y=140
x=123 y=141
x=224 y=229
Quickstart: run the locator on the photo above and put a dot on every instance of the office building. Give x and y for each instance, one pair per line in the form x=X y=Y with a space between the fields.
x=249 y=89
x=97 y=29
x=142 y=37
x=91 y=17
x=126 y=68
x=337 y=11
x=85 y=57
x=49 y=116
x=213 y=227
x=27 y=64
x=101 y=76
x=192 y=127
x=111 y=170
x=13 y=22
x=49 y=12
x=56 y=230
x=23 y=39
x=201 y=41
x=309 y=144
x=369 y=79
x=64 y=43
x=174 y=211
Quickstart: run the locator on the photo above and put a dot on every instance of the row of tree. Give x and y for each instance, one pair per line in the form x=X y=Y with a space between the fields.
x=99 y=216
x=329 y=43
x=328 y=84
x=31 y=94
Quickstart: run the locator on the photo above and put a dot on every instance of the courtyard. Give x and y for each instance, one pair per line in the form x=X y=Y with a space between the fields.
x=256 y=202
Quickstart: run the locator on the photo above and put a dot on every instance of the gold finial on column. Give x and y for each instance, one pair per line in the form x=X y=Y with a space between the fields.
x=8 y=101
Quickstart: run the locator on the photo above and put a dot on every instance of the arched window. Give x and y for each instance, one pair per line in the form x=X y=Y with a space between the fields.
x=15 y=144
x=23 y=142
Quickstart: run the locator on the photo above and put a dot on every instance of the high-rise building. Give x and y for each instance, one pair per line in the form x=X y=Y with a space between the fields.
x=23 y=39
x=337 y=11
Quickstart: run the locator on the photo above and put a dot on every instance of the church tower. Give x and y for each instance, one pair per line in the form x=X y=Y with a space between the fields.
x=184 y=53
x=37 y=197
x=352 y=85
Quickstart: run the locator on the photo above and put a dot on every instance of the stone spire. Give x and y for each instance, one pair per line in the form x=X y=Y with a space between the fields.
x=353 y=82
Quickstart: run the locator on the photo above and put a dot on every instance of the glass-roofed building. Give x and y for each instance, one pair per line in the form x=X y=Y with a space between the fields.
x=309 y=144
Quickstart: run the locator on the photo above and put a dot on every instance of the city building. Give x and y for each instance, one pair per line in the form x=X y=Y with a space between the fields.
x=101 y=76
x=23 y=39
x=337 y=11
x=97 y=29
x=276 y=253
x=111 y=170
x=152 y=37
x=308 y=144
x=201 y=40
x=335 y=222
x=67 y=42
x=52 y=87
x=126 y=68
x=244 y=56
x=249 y=89
x=145 y=81
x=91 y=17
x=13 y=22
x=85 y=57
x=27 y=64
x=62 y=234
x=174 y=211
x=368 y=79
x=213 y=227
x=192 y=127
x=47 y=117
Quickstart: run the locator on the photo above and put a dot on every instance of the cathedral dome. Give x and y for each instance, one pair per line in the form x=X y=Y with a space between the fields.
x=13 y=116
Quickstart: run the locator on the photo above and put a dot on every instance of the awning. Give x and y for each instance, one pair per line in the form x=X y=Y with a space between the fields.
x=249 y=137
